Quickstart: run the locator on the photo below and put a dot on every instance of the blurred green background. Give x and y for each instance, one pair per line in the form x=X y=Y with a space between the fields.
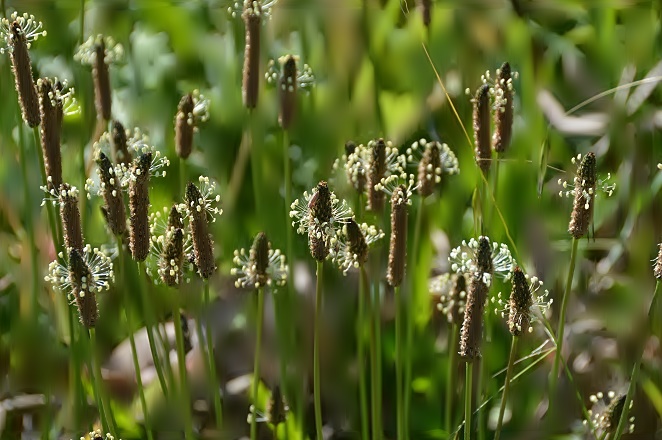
x=375 y=65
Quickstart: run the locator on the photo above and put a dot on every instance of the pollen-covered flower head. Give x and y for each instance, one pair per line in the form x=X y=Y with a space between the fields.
x=60 y=96
x=193 y=109
x=471 y=333
x=397 y=254
x=88 y=272
x=481 y=126
x=432 y=160
x=276 y=410
x=98 y=435
x=484 y=257
x=108 y=187
x=585 y=187
x=170 y=244
x=70 y=217
x=380 y=160
x=450 y=295
x=606 y=412
x=139 y=237
x=19 y=28
x=351 y=244
x=319 y=214
x=204 y=200
x=260 y=266
x=200 y=205
x=261 y=8
x=525 y=304
x=503 y=93
x=403 y=181
x=289 y=78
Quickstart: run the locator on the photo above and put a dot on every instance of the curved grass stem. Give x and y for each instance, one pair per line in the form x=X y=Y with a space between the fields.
x=256 y=360
x=506 y=386
x=184 y=393
x=316 y=352
x=103 y=403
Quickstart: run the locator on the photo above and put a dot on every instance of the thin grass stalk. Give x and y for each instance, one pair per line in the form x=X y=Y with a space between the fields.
x=81 y=29
x=55 y=226
x=468 y=381
x=452 y=367
x=256 y=359
x=559 y=333
x=75 y=390
x=360 y=349
x=634 y=377
x=211 y=360
x=495 y=185
x=139 y=381
x=378 y=359
x=255 y=162
x=506 y=385
x=105 y=411
x=185 y=394
x=149 y=320
x=182 y=176
x=316 y=352
x=374 y=401
x=400 y=422
x=481 y=383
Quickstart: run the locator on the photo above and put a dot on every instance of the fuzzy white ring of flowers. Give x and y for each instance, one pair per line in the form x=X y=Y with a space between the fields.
x=305 y=79
x=463 y=260
x=390 y=183
x=246 y=269
x=603 y=403
x=603 y=186
x=340 y=252
x=258 y=7
x=200 y=112
x=497 y=87
x=30 y=28
x=305 y=224
x=62 y=95
x=87 y=53
x=357 y=164
x=159 y=235
x=448 y=160
x=540 y=304
x=54 y=195
x=94 y=435
x=442 y=286
x=99 y=264
x=208 y=200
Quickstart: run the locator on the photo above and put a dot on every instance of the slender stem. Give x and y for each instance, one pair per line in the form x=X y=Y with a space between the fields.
x=564 y=306
x=479 y=392
x=506 y=385
x=378 y=347
x=182 y=175
x=360 y=349
x=82 y=21
x=216 y=392
x=398 y=364
x=452 y=367
x=495 y=188
x=256 y=359
x=255 y=163
x=634 y=377
x=604 y=435
x=316 y=353
x=468 y=380
x=55 y=226
x=105 y=411
x=139 y=381
x=184 y=396
x=74 y=368
x=374 y=384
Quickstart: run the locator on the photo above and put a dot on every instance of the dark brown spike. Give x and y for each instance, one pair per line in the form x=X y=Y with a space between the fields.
x=172 y=259
x=101 y=78
x=81 y=282
x=184 y=126
x=113 y=211
x=119 y=142
x=202 y=245
x=320 y=211
x=22 y=68
x=288 y=93
x=481 y=123
x=70 y=216
x=251 y=73
x=356 y=242
x=259 y=256
x=350 y=148
x=657 y=270
x=484 y=256
x=139 y=207
x=503 y=115
x=472 y=326
x=458 y=298
x=276 y=408
x=175 y=219
x=50 y=131
x=613 y=414
x=376 y=172
x=430 y=162
x=426 y=10
x=520 y=303
x=397 y=255
x=585 y=182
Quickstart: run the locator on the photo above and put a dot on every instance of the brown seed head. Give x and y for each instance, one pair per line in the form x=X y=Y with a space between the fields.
x=472 y=326
x=397 y=254
x=613 y=413
x=288 y=92
x=113 y=210
x=259 y=256
x=83 y=289
x=139 y=206
x=481 y=122
x=657 y=270
x=50 y=133
x=175 y=219
x=458 y=298
x=426 y=10
x=320 y=211
x=276 y=408
x=520 y=303
x=172 y=259
x=430 y=162
x=350 y=148
x=70 y=216
x=251 y=78
x=183 y=127
x=119 y=143
x=376 y=171
x=22 y=68
x=356 y=242
x=503 y=115
x=582 y=208
x=484 y=256
x=101 y=77
x=188 y=346
x=203 y=250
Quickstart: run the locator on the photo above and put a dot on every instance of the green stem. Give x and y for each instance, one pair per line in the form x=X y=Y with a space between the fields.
x=495 y=187
x=105 y=411
x=634 y=377
x=452 y=367
x=55 y=226
x=182 y=176
x=374 y=384
x=564 y=306
x=216 y=393
x=398 y=364
x=75 y=389
x=82 y=22
x=506 y=385
x=468 y=380
x=255 y=164
x=378 y=347
x=360 y=349
x=139 y=381
x=256 y=360
x=184 y=396
x=316 y=353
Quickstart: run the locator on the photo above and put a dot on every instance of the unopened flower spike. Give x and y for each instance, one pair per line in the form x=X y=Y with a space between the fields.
x=259 y=266
x=450 y=294
x=525 y=304
x=193 y=109
x=481 y=126
x=464 y=259
x=66 y=197
x=351 y=244
x=606 y=412
x=432 y=160
x=585 y=187
x=502 y=96
x=354 y=166
x=397 y=253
